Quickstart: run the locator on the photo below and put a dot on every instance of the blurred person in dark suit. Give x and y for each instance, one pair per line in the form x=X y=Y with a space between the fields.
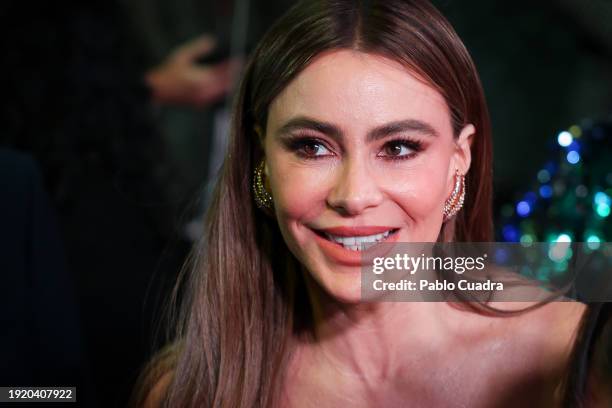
x=41 y=342
x=82 y=96
x=75 y=99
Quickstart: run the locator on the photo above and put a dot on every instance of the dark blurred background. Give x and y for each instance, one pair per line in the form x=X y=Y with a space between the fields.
x=114 y=117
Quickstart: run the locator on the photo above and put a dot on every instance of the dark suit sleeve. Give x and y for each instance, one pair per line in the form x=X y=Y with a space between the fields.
x=39 y=334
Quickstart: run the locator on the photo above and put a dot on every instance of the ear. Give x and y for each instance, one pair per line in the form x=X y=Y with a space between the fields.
x=462 y=158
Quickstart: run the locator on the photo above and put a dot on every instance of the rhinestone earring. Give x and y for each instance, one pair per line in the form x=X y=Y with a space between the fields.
x=455 y=201
x=263 y=199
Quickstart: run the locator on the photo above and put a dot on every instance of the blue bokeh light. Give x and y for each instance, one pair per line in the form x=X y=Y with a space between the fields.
x=573 y=157
x=523 y=208
x=510 y=233
x=546 y=191
x=601 y=198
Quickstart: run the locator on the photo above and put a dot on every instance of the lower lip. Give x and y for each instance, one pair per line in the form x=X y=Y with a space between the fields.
x=348 y=257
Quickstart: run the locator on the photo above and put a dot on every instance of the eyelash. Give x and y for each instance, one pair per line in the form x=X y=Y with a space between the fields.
x=415 y=145
x=297 y=145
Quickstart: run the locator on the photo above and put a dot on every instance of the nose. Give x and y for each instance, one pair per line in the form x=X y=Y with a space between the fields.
x=355 y=189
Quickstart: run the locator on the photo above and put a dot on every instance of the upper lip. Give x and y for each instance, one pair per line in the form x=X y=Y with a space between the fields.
x=356 y=231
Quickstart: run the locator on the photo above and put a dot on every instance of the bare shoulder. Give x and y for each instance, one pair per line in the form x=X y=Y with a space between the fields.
x=556 y=325
x=560 y=318
x=156 y=395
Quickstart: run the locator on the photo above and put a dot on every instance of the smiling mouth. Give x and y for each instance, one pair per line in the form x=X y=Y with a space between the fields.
x=357 y=243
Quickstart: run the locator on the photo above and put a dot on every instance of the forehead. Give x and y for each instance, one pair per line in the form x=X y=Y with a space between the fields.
x=357 y=91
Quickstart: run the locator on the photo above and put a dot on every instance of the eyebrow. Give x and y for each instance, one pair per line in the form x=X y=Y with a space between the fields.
x=379 y=132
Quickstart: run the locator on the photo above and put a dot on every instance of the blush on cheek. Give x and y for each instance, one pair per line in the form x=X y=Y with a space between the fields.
x=299 y=192
x=298 y=198
x=420 y=195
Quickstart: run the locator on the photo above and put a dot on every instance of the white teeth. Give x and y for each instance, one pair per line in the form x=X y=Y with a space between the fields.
x=358 y=243
x=368 y=245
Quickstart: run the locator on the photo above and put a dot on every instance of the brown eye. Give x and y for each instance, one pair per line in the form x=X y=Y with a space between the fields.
x=393 y=150
x=313 y=148
x=397 y=149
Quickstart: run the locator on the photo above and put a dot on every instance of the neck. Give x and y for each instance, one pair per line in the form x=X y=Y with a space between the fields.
x=376 y=352
x=370 y=342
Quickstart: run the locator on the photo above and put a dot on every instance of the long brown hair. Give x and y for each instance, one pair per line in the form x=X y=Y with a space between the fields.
x=591 y=358
x=244 y=294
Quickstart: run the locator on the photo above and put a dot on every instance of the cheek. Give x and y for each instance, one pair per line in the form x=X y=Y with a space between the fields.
x=297 y=189
x=299 y=192
x=421 y=190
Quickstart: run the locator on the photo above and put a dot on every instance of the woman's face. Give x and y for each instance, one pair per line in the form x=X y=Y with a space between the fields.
x=358 y=150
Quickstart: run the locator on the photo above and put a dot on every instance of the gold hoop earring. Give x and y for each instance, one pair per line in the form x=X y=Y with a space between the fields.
x=457 y=197
x=262 y=197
